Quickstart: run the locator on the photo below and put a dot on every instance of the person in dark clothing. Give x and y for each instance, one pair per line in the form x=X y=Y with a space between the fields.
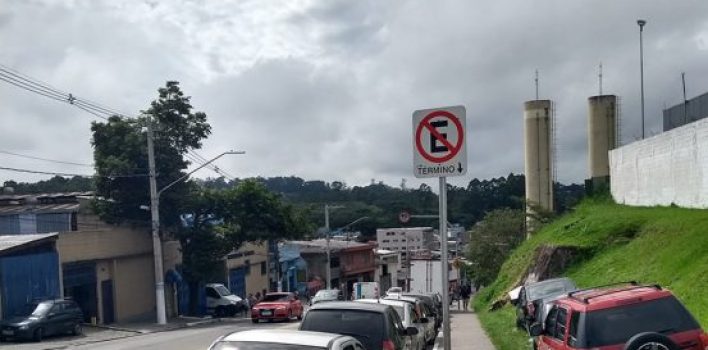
x=465 y=293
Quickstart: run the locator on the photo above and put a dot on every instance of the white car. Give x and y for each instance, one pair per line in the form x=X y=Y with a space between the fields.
x=423 y=313
x=409 y=318
x=276 y=339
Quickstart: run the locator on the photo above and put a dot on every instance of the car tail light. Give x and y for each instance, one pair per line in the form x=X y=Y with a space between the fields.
x=704 y=341
x=388 y=345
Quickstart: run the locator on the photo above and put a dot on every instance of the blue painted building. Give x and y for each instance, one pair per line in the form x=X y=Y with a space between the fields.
x=29 y=271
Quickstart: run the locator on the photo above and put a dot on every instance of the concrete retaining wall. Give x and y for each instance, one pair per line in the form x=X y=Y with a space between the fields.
x=671 y=167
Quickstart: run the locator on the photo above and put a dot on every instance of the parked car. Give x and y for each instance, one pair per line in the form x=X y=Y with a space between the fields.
x=631 y=317
x=394 y=290
x=376 y=326
x=221 y=302
x=272 y=339
x=277 y=306
x=49 y=317
x=327 y=295
x=433 y=305
x=409 y=318
x=423 y=311
x=530 y=295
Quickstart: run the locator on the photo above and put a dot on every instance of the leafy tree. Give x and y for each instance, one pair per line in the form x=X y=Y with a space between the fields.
x=492 y=241
x=54 y=184
x=120 y=148
x=221 y=221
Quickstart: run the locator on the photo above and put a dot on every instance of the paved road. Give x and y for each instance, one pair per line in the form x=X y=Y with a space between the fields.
x=198 y=338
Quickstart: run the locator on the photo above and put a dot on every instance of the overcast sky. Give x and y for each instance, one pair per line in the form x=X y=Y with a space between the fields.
x=326 y=89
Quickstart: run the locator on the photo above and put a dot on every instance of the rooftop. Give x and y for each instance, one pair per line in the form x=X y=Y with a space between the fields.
x=320 y=245
x=9 y=243
x=63 y=202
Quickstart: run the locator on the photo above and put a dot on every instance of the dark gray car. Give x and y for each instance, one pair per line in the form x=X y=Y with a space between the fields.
x=376 y=326
x=49 y=317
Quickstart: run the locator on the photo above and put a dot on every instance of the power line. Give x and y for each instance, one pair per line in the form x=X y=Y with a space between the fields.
x=215 y=168
x=45 y=159
x=39 y=87
x=42 y=172
x=69 y=174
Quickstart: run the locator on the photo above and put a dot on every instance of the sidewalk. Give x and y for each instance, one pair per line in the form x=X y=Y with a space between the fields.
x=465 y=333
x=173 y=324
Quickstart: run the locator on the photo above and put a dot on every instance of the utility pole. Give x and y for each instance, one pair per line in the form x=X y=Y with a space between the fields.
x=329 y=262
x=155 y=221
x=156 y=243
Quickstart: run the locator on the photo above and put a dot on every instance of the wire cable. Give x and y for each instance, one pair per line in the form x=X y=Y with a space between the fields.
x=45 y=159
x=39 y=87
x=70 y=174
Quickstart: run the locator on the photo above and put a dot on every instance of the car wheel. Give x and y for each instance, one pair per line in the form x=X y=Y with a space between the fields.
x=650 y=341
x=77 y=330
x=254 y=320
x=38 y=335
x=219 y=311
x=231 y=311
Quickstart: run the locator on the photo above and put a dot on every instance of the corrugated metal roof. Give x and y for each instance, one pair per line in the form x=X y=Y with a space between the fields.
x=8 y=242
x=45 y=195
x=38 y=208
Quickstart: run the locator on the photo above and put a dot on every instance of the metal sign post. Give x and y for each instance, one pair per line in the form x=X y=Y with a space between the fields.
x=444 y=263
x=439 y=150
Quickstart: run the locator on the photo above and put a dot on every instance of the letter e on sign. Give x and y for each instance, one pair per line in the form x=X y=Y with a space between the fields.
x=439 y=142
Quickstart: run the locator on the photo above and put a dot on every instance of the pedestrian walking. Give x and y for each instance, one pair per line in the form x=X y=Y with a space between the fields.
x=465 y=293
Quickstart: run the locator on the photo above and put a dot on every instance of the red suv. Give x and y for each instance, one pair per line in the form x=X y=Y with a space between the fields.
x=631 y=317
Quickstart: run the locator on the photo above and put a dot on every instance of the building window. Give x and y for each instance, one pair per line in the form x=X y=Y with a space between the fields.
x=385 y=241
x=264 y=268
x=247 y=267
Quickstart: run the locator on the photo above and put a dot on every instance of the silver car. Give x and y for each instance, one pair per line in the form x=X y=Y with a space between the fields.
x=276 y=339
x=409 y=318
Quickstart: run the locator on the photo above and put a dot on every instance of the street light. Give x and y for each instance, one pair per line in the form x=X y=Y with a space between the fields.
x=641 y=24
x=155 y=214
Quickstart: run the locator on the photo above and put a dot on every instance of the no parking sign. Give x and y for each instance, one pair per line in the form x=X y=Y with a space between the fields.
x=439 y=142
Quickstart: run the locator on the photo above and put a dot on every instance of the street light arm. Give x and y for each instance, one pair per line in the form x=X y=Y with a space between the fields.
x=354 y=222
x=195 y=170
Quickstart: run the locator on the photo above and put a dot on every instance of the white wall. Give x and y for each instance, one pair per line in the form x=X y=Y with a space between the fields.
x=671 y=167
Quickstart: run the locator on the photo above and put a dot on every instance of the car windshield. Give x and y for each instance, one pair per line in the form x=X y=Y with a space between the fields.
x=544 y=290
x=222 y=291
x=36 y=310
x=275 y=297
x=616 y=325
x=366 y=326
x=242 y=345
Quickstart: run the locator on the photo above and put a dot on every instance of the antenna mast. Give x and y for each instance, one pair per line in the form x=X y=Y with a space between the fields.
x=600 y=78
x=536 y=81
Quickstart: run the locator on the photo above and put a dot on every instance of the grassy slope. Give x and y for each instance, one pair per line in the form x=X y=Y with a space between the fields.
x=668 y=246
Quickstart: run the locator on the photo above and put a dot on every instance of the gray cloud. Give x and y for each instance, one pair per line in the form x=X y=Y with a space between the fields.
x=325 y=89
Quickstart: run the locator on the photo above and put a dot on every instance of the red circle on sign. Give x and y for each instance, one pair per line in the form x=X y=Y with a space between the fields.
x=454 y=149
